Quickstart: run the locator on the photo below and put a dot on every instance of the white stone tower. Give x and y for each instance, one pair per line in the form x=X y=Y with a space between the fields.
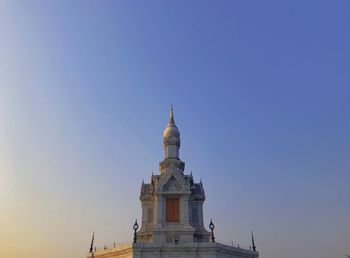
x=172 y=215
x=172 y=204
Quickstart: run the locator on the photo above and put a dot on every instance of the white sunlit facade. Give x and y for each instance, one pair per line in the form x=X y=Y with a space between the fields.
x=172 y=215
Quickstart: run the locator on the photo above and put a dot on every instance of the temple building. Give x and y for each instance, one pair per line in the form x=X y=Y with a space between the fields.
x=172 y=215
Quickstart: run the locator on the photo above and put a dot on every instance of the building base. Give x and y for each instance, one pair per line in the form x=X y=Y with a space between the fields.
x=170 y=250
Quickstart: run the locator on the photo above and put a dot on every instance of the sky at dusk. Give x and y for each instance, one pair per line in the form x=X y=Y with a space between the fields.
x=261 y=96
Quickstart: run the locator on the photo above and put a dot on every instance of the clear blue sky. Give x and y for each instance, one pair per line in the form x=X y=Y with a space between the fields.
x=261 y=96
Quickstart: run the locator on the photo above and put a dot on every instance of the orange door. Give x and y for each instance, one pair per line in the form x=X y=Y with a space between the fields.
x=172 y=210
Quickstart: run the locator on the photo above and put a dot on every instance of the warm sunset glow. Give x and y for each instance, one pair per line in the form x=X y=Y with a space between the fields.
x=260 y=91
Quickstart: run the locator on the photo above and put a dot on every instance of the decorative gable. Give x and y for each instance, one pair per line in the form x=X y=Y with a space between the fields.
x=172 y=182
x=172 y=185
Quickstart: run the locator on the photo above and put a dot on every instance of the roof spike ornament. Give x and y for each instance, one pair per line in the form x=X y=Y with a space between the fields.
x=92 y=243
x=253 y=242
x=171 y=119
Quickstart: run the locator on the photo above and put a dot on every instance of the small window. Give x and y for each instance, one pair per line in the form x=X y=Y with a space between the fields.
x=172 y=210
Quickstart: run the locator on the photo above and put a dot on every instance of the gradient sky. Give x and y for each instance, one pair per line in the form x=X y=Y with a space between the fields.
x=261 y=92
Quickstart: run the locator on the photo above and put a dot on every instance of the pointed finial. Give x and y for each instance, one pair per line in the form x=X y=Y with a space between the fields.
x=253 y=242
x=92 y=243
x=171 y=119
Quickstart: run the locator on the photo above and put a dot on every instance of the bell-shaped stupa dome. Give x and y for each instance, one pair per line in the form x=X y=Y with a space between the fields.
x=171 y=134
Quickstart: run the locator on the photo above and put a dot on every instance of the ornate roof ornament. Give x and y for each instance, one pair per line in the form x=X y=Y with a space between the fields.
x=92 y=243
x=135 y=228
x=212 y=227
x=253 y=242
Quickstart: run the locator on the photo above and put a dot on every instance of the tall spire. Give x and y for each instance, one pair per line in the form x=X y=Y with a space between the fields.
x=171 y=144
x=171 y=138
